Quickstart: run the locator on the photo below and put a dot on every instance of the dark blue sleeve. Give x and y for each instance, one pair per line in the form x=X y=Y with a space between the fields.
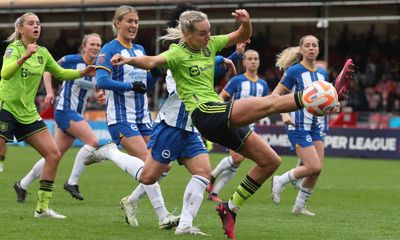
x=219 y=67
x=151 y=80
x=104 y=70
x=105 y=82
x=234 y=57
x=219 y=60
x=288 y=79
x=65 y=62
x=232 y=85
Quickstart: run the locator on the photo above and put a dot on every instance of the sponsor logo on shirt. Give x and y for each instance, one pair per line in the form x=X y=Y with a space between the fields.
x=206 y=52
x=194 y=71
x=8 y=53
x=101 y=58
x=25 y=73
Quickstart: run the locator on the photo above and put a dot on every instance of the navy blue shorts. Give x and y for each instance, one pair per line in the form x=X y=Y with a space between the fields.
x=126 y=129
x=170 y=143
x=305 y=138
x=64 y=118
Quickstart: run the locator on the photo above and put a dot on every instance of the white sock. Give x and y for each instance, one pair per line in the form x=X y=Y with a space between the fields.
x=33 y=174
x=157 y=200
x=134 y=167
x=233 y=207
x=126 y=162
x=192 y=199
x=137 y=194
x=140 y=192
x=302 y=197
x=286 y=177
x=78 y=167
x=226 y=176
x=223 y=165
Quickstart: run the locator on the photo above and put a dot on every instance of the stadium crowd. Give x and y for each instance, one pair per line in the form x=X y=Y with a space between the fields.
x=377 y=79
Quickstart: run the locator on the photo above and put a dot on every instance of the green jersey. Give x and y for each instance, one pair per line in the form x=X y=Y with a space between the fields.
x=193 y=71
x=19 y=84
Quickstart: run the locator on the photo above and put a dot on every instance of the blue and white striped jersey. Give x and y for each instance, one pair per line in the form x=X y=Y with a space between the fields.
x=297 y=78
x=124 y=106
x=173 y=111
x=241 y=86
x=74 y=94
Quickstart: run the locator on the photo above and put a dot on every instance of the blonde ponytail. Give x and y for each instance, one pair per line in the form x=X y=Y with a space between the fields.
x=173 y=34
x=288 y=57
x=185 y=24
x=16 y=35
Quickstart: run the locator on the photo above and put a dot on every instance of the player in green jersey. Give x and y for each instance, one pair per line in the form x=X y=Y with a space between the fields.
x=23 y=65
x=192 y=65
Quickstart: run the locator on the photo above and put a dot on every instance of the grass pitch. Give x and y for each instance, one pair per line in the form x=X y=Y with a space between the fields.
x=354 y=199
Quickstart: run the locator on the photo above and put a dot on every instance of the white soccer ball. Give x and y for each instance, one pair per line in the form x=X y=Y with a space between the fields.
x=320 y=98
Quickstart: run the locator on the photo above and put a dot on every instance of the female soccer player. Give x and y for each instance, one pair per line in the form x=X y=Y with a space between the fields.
x=23 y=67
x=68 y=116
x=128 y=117
x=191 y=63
x=241 y=86
x=174 y=137
x=306 y=132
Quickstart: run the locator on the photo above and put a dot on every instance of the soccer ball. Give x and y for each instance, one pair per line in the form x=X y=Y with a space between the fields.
x=320 y=98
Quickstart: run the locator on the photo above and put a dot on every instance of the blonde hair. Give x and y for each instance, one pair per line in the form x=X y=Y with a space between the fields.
x=291 y=55
x=119 y=14
x=85 y=39
x=16 y=35
x=185 y=24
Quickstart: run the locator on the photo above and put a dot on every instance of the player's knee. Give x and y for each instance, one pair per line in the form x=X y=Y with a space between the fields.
x=237 y=161
x=272 y=163
x=147 y=179
x=93 y=143
x=276 y=162
x=54 y=155
x=314 y=169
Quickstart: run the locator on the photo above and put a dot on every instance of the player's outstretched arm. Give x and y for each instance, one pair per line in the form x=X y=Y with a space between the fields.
x=244 y=31
x=143 y=62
